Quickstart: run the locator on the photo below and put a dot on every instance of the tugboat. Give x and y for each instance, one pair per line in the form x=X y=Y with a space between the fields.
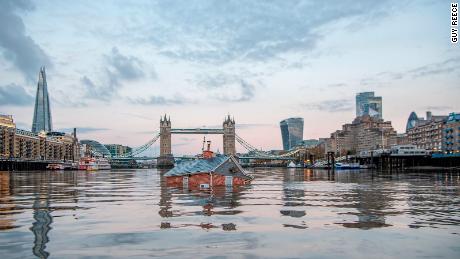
x=208 y=171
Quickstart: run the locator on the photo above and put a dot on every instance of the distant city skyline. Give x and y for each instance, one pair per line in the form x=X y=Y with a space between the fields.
x=115 y=72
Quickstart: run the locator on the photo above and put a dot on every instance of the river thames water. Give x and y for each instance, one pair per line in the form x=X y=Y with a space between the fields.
x=293 y=213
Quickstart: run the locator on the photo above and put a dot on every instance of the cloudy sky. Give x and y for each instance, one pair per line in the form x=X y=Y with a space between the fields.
x=114 y=67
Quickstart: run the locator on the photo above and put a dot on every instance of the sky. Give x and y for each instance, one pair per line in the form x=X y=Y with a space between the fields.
x=114 y=67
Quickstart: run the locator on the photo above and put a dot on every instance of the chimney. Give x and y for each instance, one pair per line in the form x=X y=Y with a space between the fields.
x=428 y=115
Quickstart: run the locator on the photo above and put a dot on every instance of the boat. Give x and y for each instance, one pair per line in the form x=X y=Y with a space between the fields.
x=366 y=166
x=208 y=171
x=103 y=163
x=293 y=165
x=347 y=166
x=88 y=164
x=55 y=166
x=74 y=166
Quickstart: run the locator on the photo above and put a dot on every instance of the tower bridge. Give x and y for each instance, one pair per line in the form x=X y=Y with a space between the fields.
x=229 y=138
x=166 y=159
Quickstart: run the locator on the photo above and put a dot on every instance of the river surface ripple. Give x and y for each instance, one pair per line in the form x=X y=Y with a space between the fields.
x=293 y=213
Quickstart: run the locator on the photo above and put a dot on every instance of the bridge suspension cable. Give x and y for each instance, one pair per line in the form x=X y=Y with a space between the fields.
x=251 y=148
x=142 y=148
x=265 y=154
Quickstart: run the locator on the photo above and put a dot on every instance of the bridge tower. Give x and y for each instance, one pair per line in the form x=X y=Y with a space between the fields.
x=229 y=136
x=166 y=159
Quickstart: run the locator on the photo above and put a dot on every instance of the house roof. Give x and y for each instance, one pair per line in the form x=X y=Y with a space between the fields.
x=215 y=164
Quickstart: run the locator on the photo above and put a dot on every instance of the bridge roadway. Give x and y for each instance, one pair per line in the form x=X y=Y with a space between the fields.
x=197 y=131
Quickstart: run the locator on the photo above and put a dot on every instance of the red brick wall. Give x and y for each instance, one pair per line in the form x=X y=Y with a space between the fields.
x=204 y=178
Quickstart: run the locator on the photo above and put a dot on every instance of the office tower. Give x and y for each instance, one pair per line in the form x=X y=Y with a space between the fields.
x=291 y=132
x=42 y=113
x=368 y=104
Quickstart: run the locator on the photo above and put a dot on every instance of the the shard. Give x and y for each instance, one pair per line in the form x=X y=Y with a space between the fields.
x=42 y=112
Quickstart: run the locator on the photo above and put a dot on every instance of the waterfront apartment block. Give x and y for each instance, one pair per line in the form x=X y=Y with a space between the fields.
x=7 y=131
x=426 y=133
x=118 y=150
x=26 y=145
x=364 y=133
x=402 y=139
x=451 y=134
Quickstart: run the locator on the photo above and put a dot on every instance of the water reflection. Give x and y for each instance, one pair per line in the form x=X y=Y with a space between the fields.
x=7 y=205
x=66 y=214
x=179 y=202
x=293 y=194
x=41 y=227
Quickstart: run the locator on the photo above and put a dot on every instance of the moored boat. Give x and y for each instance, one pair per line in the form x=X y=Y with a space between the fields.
x=293 y=165
x=103 y=163
x=347 y=166
x=88 y=164
x=55 y=166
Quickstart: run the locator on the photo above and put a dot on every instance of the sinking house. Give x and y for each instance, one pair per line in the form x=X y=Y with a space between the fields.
x=218 y=170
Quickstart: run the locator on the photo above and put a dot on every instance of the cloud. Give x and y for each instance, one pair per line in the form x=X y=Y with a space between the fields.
x=228 y=87
x=331 y=105
x=246 y=93
x=253 y=125
x=13 y=94
x=19 y=48
x=437 y=68
x=222 y=31
x=239 y=92
x=443 y=67
x=99 y=92
x=124 y=67
x=438 y=108
x=216 y=80
x=119 y=68
x=160 y=100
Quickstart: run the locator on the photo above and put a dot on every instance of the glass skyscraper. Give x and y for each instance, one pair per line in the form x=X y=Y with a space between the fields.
x=368 y=104
x=291 y=132
x=42 y=113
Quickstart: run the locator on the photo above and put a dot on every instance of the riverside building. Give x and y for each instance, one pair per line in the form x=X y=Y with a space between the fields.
x=363 y=134
x=21 y=144
x=451 y=134
x=426 y=133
